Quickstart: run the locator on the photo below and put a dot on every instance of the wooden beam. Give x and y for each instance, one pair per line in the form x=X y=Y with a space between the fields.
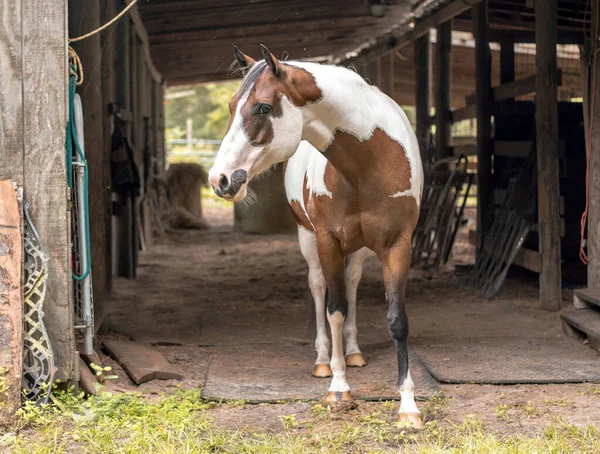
x=442 y=89
x=511 y=90
x=138 y=24
x=122 y=233
x=84 y=15
x=546 y=116
x=11 y=299
x=507 y=59
x=422 y=56
x=108 y=41
x=404 y=37
x=593 y=227
x=464 y=113
x=387 y=74
x=372 y=72
x=529 y=259
x=11 y=172
x=45 y=77
x=483 y=91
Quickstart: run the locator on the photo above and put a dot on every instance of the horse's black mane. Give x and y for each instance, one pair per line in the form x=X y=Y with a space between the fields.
x=252 y=77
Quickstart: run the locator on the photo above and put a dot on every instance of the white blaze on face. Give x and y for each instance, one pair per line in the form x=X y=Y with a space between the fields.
x=234 y=149
x=237 y=152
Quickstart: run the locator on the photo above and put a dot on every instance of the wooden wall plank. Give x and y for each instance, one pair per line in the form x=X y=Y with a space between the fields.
x=84 y=15
x=108 y=41
x=11 y=300
x=593 y=228
x=443 y=71
x=121 y=227
x=546 y=117
x=11 y=170
x=45 y=188
x=422 y=90
x=483 y=90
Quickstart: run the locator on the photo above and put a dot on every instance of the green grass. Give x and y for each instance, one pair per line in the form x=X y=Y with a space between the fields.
x=182 y=423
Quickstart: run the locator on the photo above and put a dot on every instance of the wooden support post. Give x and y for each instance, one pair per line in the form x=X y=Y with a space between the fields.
x=160 y=130
x=123 y=260
x=422 y=55
x=386 y=74
x=84 y=15
x=483 y=93
x=546 y=116
x=11 y=300
x=372 y=74
x=507 y=59
x=45 y=75
x=442 y=90
x=11 y=174
x=109 y=96
x=593 y=227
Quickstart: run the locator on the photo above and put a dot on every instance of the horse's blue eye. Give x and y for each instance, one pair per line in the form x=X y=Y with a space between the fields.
x=264 y=109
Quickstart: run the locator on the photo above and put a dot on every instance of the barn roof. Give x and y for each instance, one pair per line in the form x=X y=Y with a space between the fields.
x=191 y=40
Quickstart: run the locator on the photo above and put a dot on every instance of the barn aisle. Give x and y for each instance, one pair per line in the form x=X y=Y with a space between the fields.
x=231 y=312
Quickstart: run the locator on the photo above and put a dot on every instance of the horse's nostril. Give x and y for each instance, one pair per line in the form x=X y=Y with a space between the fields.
x=223 y=184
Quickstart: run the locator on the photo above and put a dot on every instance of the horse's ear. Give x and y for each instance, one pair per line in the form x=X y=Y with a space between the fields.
x=271 y=60
x=243 y=60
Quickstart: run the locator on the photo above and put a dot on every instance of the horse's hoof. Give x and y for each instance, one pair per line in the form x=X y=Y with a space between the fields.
x=337 y=396
x=355 y=360
x=322 y=371
x=410 y=420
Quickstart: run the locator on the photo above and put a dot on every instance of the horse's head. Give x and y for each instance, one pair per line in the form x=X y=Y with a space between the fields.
x=266 y=122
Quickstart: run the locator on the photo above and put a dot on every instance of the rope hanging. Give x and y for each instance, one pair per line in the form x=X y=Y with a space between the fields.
x=108 y=24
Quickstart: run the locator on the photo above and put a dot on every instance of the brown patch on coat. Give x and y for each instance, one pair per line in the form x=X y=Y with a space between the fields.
x=296 y=83
x=361 y=177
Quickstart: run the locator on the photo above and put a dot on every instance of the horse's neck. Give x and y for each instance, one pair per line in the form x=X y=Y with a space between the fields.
x=350 y=108
x=363 y=133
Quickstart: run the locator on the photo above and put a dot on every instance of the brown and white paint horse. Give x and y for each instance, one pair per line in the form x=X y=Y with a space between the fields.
x=354 y=179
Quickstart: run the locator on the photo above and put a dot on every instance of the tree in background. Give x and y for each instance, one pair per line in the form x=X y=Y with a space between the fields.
x=206 y=105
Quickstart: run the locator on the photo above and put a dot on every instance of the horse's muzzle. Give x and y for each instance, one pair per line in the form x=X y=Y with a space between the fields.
x=229 y=187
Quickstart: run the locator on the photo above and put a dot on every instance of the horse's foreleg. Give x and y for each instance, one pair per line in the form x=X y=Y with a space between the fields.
x=316 y=282
x=396 y=263
x=354 y=268
x=332 y=264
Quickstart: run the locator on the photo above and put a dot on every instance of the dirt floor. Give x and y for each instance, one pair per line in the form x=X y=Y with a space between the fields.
x=200 y=289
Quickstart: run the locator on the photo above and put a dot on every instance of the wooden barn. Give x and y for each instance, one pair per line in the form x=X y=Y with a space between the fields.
x=519 y=74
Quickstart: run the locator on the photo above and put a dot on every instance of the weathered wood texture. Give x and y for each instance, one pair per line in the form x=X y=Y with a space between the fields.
x=593 y=227
x=121 y=222
x=386 y=74
x=483 y=90
x=373 y=72
x=422 y=57
x=11 y=92
x=11 y=299
x=45 y=187
x=443 y=71
x=507 y=59
x=11 y=170
x=108 y=41
x=546 y=116
x=84 y=15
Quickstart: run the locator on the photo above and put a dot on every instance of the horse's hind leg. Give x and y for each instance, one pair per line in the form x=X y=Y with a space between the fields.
x=316 y=282
x=395 y=263
x=354 y=268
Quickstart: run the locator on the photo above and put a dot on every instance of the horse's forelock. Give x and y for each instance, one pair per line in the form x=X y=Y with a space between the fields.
x=251 y=78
